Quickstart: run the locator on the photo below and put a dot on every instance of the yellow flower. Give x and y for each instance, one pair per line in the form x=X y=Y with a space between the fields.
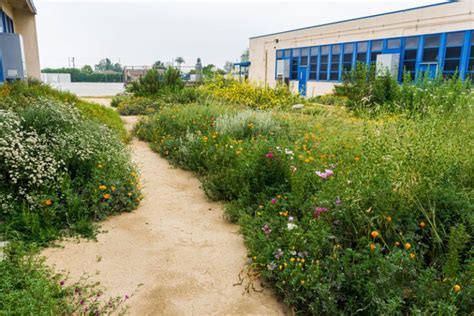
x=412 y=255
x=302 y=282
x=129 y=194
x=48 y=202
x=292 y=259
x=397 y=244
x=407 y=246
x=106 y=196
x=254 y=258
x=456 y=288
x=302 y=260
x=374 y=234
x=102 y=187
x=356 y=158
x=99 y=166
x=113 y=188
x=372 y=247
x=422 y=225
x=389 y=219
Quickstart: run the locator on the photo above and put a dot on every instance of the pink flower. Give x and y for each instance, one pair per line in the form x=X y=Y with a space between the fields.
x=266 y=229
x=338 y=201
x=61 y=283
x=269 y=155
x=319 y=210
x=326 y=174
x=273 y=201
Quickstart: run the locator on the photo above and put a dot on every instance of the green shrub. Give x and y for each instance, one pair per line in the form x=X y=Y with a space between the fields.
x=118 y=99
x=60 y=169
x=139 y=106
x=154 y=82
x=341 y=214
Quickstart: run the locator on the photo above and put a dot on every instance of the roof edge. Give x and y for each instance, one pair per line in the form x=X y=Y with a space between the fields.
x=355 y=19
x=31 y=6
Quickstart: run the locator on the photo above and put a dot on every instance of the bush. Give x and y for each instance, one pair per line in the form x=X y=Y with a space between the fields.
x=154 y=82
x=59 y=168
x=139 y=106
x=340 y=214
x=245 y=93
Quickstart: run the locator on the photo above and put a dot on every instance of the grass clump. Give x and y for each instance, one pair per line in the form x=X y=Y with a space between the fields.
x=341 y=213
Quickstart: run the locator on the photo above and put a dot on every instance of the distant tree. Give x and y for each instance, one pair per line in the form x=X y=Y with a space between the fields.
x=158 y=64
x=245 y=55
x=179 y=61
x=87 y=69
x=228 y=66
x=106 y=64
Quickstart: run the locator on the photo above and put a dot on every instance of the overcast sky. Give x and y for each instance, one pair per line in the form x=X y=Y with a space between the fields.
x=141 y=32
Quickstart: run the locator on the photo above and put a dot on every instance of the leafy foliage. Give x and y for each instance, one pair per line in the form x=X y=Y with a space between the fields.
x=155 y=82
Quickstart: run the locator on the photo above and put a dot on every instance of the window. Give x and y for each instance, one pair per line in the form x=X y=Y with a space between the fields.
x=452 y=57
x=2 y=27
x=410 y=53
x=431 y=48
x=294 y=64
x=323 y=66
x=375 y=50
x=347 y=57
x=361 y=52
x=313 y=63
x=304 y=57
x=470 y=66
x=6 y=23
x=280 y=54
x=393 y=43
x=335 y=59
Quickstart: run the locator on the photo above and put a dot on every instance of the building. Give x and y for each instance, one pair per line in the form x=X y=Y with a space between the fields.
x=311 y=60
x=19 y=57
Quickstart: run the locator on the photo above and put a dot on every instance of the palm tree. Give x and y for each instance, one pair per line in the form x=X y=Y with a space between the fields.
x=179 y=61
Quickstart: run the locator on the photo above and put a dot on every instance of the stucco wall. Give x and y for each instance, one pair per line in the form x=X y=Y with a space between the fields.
x=25 y=24
x=441 y=18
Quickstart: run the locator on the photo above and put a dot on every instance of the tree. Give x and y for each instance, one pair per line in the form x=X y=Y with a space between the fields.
x=228 y=66
x=106 y=64
x=179 y=61
x=87 y=69
x=158 y=64
x=245 y=55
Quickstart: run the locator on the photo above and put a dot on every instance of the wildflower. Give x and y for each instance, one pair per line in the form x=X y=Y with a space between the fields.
x=338 y=201
x=48 y=202
x=397 y=244
x=318 y=211
x=389 y=219
x=266 y=229
x=61 y=282
x=82 y=302
x=292 y=259
x=102 y=187
x=372 y=247
x=289 y=152
x=113 y=188
x=273 y=201
x=106 y=196
x=412 y=255
x=269 y=155
x=291 y=226
x=407 y=246
x=126 y=297
x=129 y=194
x=356 y=158
x=374 y=234
x=326 y=174
x=302 y=282
x=456 y=288
x=422 y=225
x=99 y=166
x=237 y=152
x=271 y=266
x=291 y=219
x=278 y=253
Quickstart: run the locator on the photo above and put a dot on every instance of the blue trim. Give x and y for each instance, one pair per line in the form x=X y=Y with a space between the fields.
x=356 y=19
x=2 y=76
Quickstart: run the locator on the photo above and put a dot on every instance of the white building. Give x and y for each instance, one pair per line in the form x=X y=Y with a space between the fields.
x=311 y=60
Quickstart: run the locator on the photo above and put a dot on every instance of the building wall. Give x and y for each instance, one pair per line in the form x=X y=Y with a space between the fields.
x=433 y=19
x=25 y=24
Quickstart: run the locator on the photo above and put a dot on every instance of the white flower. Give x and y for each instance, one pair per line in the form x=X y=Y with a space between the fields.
x=291 y=226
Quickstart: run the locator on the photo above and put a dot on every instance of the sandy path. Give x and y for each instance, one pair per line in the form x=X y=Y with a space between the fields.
x=176 y=244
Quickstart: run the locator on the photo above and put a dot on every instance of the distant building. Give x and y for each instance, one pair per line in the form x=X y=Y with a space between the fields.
x=19 y=57
x=311 y=60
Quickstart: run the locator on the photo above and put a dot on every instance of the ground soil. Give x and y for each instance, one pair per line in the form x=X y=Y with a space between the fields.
x=176 y=244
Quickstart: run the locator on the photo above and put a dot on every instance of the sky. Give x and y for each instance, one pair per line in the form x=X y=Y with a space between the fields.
x=140 y=32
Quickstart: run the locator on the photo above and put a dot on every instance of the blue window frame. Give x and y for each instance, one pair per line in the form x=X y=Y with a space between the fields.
x=453 y=53
x=304 y=57
x=335 y=62
x=2 y=22
x=431 y=45
x=6 y=23
x=362 y=49
x=348 y=57
x=393 y=43
x=470 y=64
x=410 y=54
x=376 y=48
x=323 y=63
x=313 y=63
x=294 y=60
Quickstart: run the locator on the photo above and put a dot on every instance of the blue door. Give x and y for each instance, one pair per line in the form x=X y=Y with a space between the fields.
x=430 y=69
x=2 y=78
x=302 y=78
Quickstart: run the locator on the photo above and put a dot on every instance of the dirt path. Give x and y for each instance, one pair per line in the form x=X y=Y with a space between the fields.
x=176 y=244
